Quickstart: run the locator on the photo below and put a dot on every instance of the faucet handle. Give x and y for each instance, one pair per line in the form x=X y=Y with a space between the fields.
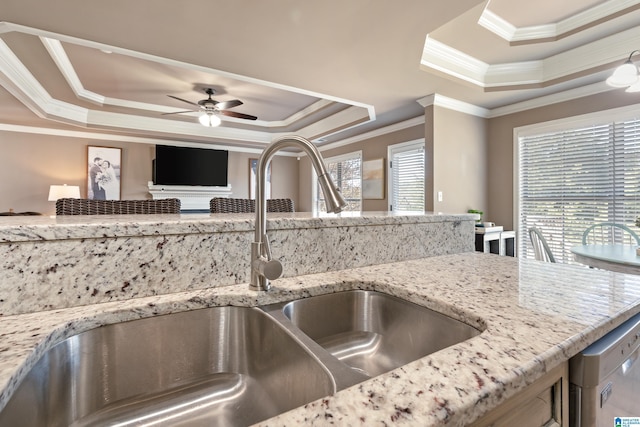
x=270 y=269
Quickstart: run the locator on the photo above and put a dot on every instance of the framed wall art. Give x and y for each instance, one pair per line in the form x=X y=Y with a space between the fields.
x=373 y=179
x=103 y=173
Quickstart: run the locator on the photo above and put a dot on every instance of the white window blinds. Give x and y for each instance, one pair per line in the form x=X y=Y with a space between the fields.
x=346 y=172
x=574 y=178
x=406 y=171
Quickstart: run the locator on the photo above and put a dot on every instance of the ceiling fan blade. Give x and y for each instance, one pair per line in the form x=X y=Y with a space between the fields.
x=237 y=115
x=183 y=100
x=228 y=104
x=177 y=112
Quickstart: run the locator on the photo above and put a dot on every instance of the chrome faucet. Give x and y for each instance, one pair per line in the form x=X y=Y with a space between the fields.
x=263 y=267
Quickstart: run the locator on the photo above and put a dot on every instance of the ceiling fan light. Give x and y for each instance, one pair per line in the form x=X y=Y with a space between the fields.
x=624 y=75
x=209 y=120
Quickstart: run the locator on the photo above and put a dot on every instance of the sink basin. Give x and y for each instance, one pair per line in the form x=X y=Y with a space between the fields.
x=234 y=365
x=228 y=366
x=373 y=332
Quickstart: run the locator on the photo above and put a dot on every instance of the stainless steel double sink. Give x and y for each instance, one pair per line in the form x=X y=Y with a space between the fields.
x=226 y=365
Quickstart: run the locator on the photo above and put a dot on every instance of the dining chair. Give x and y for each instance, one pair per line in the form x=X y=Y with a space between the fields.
x=541 y=248
x=69 y=206
x=231 y=205
x=609 y=232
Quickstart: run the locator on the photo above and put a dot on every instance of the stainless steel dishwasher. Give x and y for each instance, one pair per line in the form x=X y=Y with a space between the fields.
x=605 y=378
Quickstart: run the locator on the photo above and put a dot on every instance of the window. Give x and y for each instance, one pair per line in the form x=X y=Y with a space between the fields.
x=571 y=179
x=406 y=176
x=346 y=172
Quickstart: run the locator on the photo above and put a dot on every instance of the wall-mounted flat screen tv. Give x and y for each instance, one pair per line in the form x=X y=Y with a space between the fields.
x=190 y=166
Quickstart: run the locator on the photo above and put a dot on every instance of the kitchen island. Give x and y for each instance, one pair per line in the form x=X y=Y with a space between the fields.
x=533 y=316
x=48 y=263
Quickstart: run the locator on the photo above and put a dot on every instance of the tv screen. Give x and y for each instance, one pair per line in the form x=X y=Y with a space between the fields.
x=190 y=166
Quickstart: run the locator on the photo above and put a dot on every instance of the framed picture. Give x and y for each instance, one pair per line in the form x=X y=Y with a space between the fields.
x=373 y=179
x=103 y=172
x=253 y=173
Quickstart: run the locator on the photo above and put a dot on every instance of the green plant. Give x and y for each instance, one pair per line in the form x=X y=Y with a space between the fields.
x=475 y=211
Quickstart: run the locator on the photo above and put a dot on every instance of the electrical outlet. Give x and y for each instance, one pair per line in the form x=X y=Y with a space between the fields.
x=439 y=196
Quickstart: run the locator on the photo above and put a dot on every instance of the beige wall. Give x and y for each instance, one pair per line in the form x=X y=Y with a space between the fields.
x=373 y=148
x=30 y=163
x=500 y=146
x=459 y=158
x=468 y=158
x=284 y=176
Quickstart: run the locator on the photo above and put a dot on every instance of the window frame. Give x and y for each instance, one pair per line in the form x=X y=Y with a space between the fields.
x=613 y=118
x=392 y=150
x=328 y=160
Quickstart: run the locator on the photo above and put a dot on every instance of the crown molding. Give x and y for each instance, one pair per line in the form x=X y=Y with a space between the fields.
x=555 y=98
x=62 y=61
x=23 y=85
x=439 y=56
x=416 y=121
x=496 y=24
x=60 y=58
x=453 y=104
x=5 y=127
x=554 y=31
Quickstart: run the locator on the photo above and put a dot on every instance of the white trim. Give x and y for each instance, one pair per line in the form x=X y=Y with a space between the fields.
x=419 y=143
x=23 y=85
x=516 y=183
x=453 y=104
x=345 y=156
x=416 y=121
x=59 y=56
x=441 y=57
x=314 y=176
x=602 y=52
x=605 y=116
x=192 y=197
x=496 y=24
x=555 y=98
x=597 y=117
x=4 y=127
x=553 y=31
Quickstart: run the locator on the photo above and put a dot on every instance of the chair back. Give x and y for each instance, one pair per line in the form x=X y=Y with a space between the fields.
x=540 y=246
x=608 y=233
x=230 y=205
x=280 y=205
x=116 y=207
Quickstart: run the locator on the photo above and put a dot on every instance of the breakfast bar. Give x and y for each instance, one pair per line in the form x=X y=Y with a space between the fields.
x=532 y=317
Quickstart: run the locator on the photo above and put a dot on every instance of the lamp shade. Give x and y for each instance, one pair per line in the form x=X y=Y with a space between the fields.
x=63 y=191
x=634 y=87
x=209 y=120
x=625 y=75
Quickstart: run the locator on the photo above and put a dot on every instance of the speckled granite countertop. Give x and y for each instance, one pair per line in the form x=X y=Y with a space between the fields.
x=55 y=263
x=534 y=316
x=39 y=228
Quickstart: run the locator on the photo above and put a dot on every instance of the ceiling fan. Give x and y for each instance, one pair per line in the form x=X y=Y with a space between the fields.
x=211 y=108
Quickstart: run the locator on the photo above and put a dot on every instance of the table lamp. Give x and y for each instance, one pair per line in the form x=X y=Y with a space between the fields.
x=63 y=191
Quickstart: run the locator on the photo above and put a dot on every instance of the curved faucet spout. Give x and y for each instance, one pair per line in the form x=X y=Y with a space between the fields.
x=263 y=266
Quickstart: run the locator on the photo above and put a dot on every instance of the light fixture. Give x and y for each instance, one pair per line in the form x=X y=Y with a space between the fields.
x=63 y=192
x=209 y=119
x=626 y=75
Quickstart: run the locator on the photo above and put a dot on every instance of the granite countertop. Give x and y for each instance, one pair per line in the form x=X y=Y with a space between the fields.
x=40 y=228
x=534 y=316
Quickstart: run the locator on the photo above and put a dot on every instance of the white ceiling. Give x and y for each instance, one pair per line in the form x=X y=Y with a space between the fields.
x=327 y=70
